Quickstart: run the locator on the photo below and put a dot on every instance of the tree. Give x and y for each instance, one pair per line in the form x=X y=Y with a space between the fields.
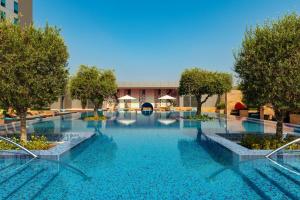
x=78 y=85
x=32 y=68
x=268 y=65
x=204 y=84
x=91 y=83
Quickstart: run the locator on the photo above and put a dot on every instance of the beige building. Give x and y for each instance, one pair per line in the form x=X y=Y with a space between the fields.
x=17 y=11
x=142 y=92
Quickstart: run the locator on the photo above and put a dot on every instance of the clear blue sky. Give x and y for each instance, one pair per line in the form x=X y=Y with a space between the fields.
x=145 y=40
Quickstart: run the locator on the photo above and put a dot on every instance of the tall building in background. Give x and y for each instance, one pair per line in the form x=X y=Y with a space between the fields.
x=17 y=11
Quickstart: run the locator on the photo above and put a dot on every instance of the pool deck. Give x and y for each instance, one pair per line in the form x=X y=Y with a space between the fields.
x=55 y=152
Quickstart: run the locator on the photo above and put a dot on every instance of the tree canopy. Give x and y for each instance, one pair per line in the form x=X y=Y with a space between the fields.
x=268 y=65
x=91 y=83
x=33 y=68
x=204 y=84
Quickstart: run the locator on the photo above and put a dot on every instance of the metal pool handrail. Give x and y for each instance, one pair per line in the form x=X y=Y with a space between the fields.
x=18 y=145
x=283 y=167
x=282 y=147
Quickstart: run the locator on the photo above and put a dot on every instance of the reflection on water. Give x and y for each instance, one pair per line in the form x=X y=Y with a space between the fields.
x=99 y=151
x=193 y=151
x=138 y=120
x=55 y=129
x=66 y=123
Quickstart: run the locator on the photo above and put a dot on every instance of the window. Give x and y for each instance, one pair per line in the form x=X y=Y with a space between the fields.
x=2 y=15
x=3 y=3
x=16 y=21
x=16 y=7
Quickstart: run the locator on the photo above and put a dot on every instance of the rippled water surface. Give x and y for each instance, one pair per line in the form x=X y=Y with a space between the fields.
x=133 y=156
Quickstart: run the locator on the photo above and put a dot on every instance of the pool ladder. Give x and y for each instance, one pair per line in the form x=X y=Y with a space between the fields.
x=18 y=145
x=278 y=164
x=282 y=147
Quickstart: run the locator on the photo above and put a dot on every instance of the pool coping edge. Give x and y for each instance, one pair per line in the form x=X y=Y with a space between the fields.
x=242 y=152
x=54 y=152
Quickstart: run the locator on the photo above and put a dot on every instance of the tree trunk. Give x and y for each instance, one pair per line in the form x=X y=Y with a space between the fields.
x=279 y=126
x=23 y=130
x=96 y=107
x=83 y=104
x=199 y=105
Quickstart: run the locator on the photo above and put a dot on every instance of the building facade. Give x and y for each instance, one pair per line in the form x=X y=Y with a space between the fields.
x=16 y=11
x=143 y=92
x=148 y=92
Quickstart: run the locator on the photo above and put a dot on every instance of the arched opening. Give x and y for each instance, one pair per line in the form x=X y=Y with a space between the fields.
x=147 y=108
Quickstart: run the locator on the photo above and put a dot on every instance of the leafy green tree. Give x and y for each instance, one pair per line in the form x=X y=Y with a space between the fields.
x=78 y=85
x=204 y=84
x=268 y=65
x=91 y=83
x=33 y=69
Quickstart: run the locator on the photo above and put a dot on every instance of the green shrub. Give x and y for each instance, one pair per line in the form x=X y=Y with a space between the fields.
x=34 y=143
x=203 y=117
x=97 y=118
x=267 y=142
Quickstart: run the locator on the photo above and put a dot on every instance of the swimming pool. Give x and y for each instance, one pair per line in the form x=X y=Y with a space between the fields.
x=146 y=157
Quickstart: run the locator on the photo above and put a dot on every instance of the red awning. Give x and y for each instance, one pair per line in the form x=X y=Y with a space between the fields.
x=240 y=106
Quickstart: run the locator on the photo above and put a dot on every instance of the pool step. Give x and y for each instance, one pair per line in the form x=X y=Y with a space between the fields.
x=44 y=187
x=19 y=181
x=6 y=167
x=254 y=186
x=276 y=181
x=270 y=181
x=260 y=186
x=34 y=186
x=13 y=193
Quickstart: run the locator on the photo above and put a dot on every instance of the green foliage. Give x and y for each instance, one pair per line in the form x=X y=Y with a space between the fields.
x=35 y=143
x=33 y=69
x=32 y=66
x=80 y=86
x=91 y=83
x=268 y=64
x=96 y=118
x=267 y=142
x=221 y=106
x=200 y=117
x=199 y=82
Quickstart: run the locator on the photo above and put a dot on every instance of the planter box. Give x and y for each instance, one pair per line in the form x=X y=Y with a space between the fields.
x=295 y=118
x=244 y=113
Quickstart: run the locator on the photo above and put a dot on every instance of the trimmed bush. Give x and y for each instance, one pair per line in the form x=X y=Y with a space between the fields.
x=97 y=118
x=267 y=142
x=34 y=143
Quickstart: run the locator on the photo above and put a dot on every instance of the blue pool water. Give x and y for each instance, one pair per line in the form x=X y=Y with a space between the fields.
x=146 y=157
